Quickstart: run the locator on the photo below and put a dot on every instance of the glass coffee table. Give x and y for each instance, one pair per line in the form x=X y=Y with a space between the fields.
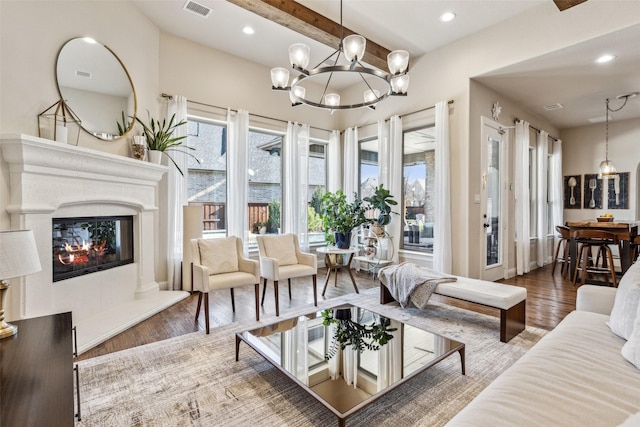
x=308 y=350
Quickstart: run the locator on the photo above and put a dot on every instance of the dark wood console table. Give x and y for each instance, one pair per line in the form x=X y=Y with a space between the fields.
x=36 y=373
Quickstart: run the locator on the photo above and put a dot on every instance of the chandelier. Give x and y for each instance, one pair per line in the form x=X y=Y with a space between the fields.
x=377 y=84
x=607 y=169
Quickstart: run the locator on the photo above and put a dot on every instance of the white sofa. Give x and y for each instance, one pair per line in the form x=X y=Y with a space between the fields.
x=574 y=376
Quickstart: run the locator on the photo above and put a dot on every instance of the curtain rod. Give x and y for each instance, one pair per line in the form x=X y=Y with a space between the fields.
x=164 y=95
x=537 y=130
x=409 y=114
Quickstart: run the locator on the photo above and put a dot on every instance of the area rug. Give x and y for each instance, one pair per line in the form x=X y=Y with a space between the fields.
x=194 y=380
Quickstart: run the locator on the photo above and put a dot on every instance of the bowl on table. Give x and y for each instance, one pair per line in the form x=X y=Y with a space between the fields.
x=604 y=218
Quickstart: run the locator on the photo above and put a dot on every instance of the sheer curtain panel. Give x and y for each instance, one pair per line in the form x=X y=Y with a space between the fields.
x=442 y=209
x=296 y=182
x=523 y=231
x=334 y=160
x=541 y=205
x=177 y=194
x=237 y=175
x=351 y=166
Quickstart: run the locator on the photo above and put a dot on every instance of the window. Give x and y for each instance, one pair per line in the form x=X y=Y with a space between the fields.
x=369 y=167
x=550 y=225
x=317 y=187
x=265 y=184
x=418 y=172
x=533 y=193
x=207 y=184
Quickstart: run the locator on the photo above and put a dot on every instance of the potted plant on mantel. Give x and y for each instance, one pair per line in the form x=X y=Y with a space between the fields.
x=160 y=139
x=340 y=217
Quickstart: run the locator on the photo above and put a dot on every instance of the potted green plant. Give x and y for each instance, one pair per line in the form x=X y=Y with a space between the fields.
x=159 y=136
x=380 y=203
x=350 y=333
x=340 y=217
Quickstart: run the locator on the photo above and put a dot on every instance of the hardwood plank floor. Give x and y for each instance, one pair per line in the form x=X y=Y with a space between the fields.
x=549 y=300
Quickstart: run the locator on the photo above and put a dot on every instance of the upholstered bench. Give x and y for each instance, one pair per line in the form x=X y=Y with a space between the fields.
x=510 y=300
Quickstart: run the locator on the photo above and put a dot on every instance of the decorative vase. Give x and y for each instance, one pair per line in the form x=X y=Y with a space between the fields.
x=343 y=240
x=139 y=147
x=155 y=156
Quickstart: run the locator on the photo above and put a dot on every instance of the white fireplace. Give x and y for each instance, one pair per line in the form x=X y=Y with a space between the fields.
x=53 y=180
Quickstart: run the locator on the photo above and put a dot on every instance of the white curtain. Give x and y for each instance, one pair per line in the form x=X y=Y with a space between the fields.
x=177 y=194
x=351 y=184
x=294 y=360
x=442 y=208
x=383 y=155
x=390 y=360
x=350 y=360
x=295 y=183
x=395 y=228
x=542 y=148
x=556 y=184
x=334 y=160
x=522 y=197
x=237 y=175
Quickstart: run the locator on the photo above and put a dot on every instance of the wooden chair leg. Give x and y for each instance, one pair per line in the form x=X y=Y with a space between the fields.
x=315 y=290
x=612 y=268
x=555 y=257
x=565 y=266
x=275 y=290
x=233 y=301
x=206 y=311
x=257 y=290
x=289 y=280
x=585 y=263
x=264 y=291
x=578 y=265
x=199 y=304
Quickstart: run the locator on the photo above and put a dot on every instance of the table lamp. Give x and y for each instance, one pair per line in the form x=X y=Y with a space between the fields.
x=18 y=257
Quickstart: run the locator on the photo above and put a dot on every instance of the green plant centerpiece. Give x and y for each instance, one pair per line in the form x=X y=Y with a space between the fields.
x=380 y=202
x=350 y=333
x=159 y=135
x=340 y=217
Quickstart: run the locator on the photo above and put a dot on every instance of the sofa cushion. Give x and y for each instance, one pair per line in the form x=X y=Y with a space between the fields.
x=219 y=255
x=625 y=305
x=631 y=349
x=281 y=248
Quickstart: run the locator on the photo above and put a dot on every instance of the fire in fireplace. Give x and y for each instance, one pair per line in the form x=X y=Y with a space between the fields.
x=87 y=245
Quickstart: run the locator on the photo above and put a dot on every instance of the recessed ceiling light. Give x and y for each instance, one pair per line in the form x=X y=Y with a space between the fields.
x=248 y=30
x=605 y=58
x=447 y=16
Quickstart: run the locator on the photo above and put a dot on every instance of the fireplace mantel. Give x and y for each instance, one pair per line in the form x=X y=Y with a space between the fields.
x=49 y=180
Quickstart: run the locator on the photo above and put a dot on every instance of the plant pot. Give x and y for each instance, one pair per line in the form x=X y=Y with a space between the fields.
x=343 y=240
x=155 y=156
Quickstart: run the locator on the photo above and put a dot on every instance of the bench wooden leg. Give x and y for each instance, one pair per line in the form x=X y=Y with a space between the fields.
x=385 y=295
x=512 y=321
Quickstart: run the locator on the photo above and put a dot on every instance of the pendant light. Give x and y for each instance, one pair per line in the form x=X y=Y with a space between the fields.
x=607 y=169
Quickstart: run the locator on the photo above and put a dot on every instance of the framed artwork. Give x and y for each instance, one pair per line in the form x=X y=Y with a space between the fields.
x=572 y=191
x=592 y=192
x=618 y=191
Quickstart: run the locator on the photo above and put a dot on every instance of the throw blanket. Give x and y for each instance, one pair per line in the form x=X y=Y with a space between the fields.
x=405 y=281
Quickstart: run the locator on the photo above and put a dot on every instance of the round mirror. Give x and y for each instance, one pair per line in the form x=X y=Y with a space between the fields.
x=97 y=87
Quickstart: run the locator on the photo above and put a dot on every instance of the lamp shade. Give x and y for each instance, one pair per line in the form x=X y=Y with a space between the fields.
x=332 y=99
x=400 y=84
x=607 y=170
x=354 y=47
x=299 y=54
x=371 y=95
x=298 y=91
x=279 y=77
x=398 y=61
x=18 y=254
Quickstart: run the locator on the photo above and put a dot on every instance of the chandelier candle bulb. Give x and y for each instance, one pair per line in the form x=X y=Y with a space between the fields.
x=332 y=99
x=354 y=47
x=400 y=84
x=279 y=77
x=299 y=55
x=398 y=61
x=297 y=93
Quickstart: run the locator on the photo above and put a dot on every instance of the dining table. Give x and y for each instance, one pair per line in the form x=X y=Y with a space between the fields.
x=626 y=231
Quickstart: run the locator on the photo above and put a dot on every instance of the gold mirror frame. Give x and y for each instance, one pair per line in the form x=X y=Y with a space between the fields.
x=88 y=76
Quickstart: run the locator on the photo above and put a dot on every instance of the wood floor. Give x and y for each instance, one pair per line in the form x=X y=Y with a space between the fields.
x=549 y=300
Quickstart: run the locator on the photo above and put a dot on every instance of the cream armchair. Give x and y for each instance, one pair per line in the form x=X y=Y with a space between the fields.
x=281 y=258
x=220 y=264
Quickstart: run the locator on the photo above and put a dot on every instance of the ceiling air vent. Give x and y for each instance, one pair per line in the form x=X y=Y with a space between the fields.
x=197 y=8
x=552 y=107
x=81 y=73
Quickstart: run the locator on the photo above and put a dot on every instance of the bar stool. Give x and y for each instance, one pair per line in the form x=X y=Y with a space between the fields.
x=601 y=240
x=563 y=235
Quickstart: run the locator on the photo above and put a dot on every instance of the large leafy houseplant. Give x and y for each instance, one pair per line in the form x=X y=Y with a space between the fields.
x=159 y=135
x=381 y=202
x=339 y=215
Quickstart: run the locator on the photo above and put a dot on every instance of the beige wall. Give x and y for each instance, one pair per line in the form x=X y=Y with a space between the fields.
x=33 y=32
